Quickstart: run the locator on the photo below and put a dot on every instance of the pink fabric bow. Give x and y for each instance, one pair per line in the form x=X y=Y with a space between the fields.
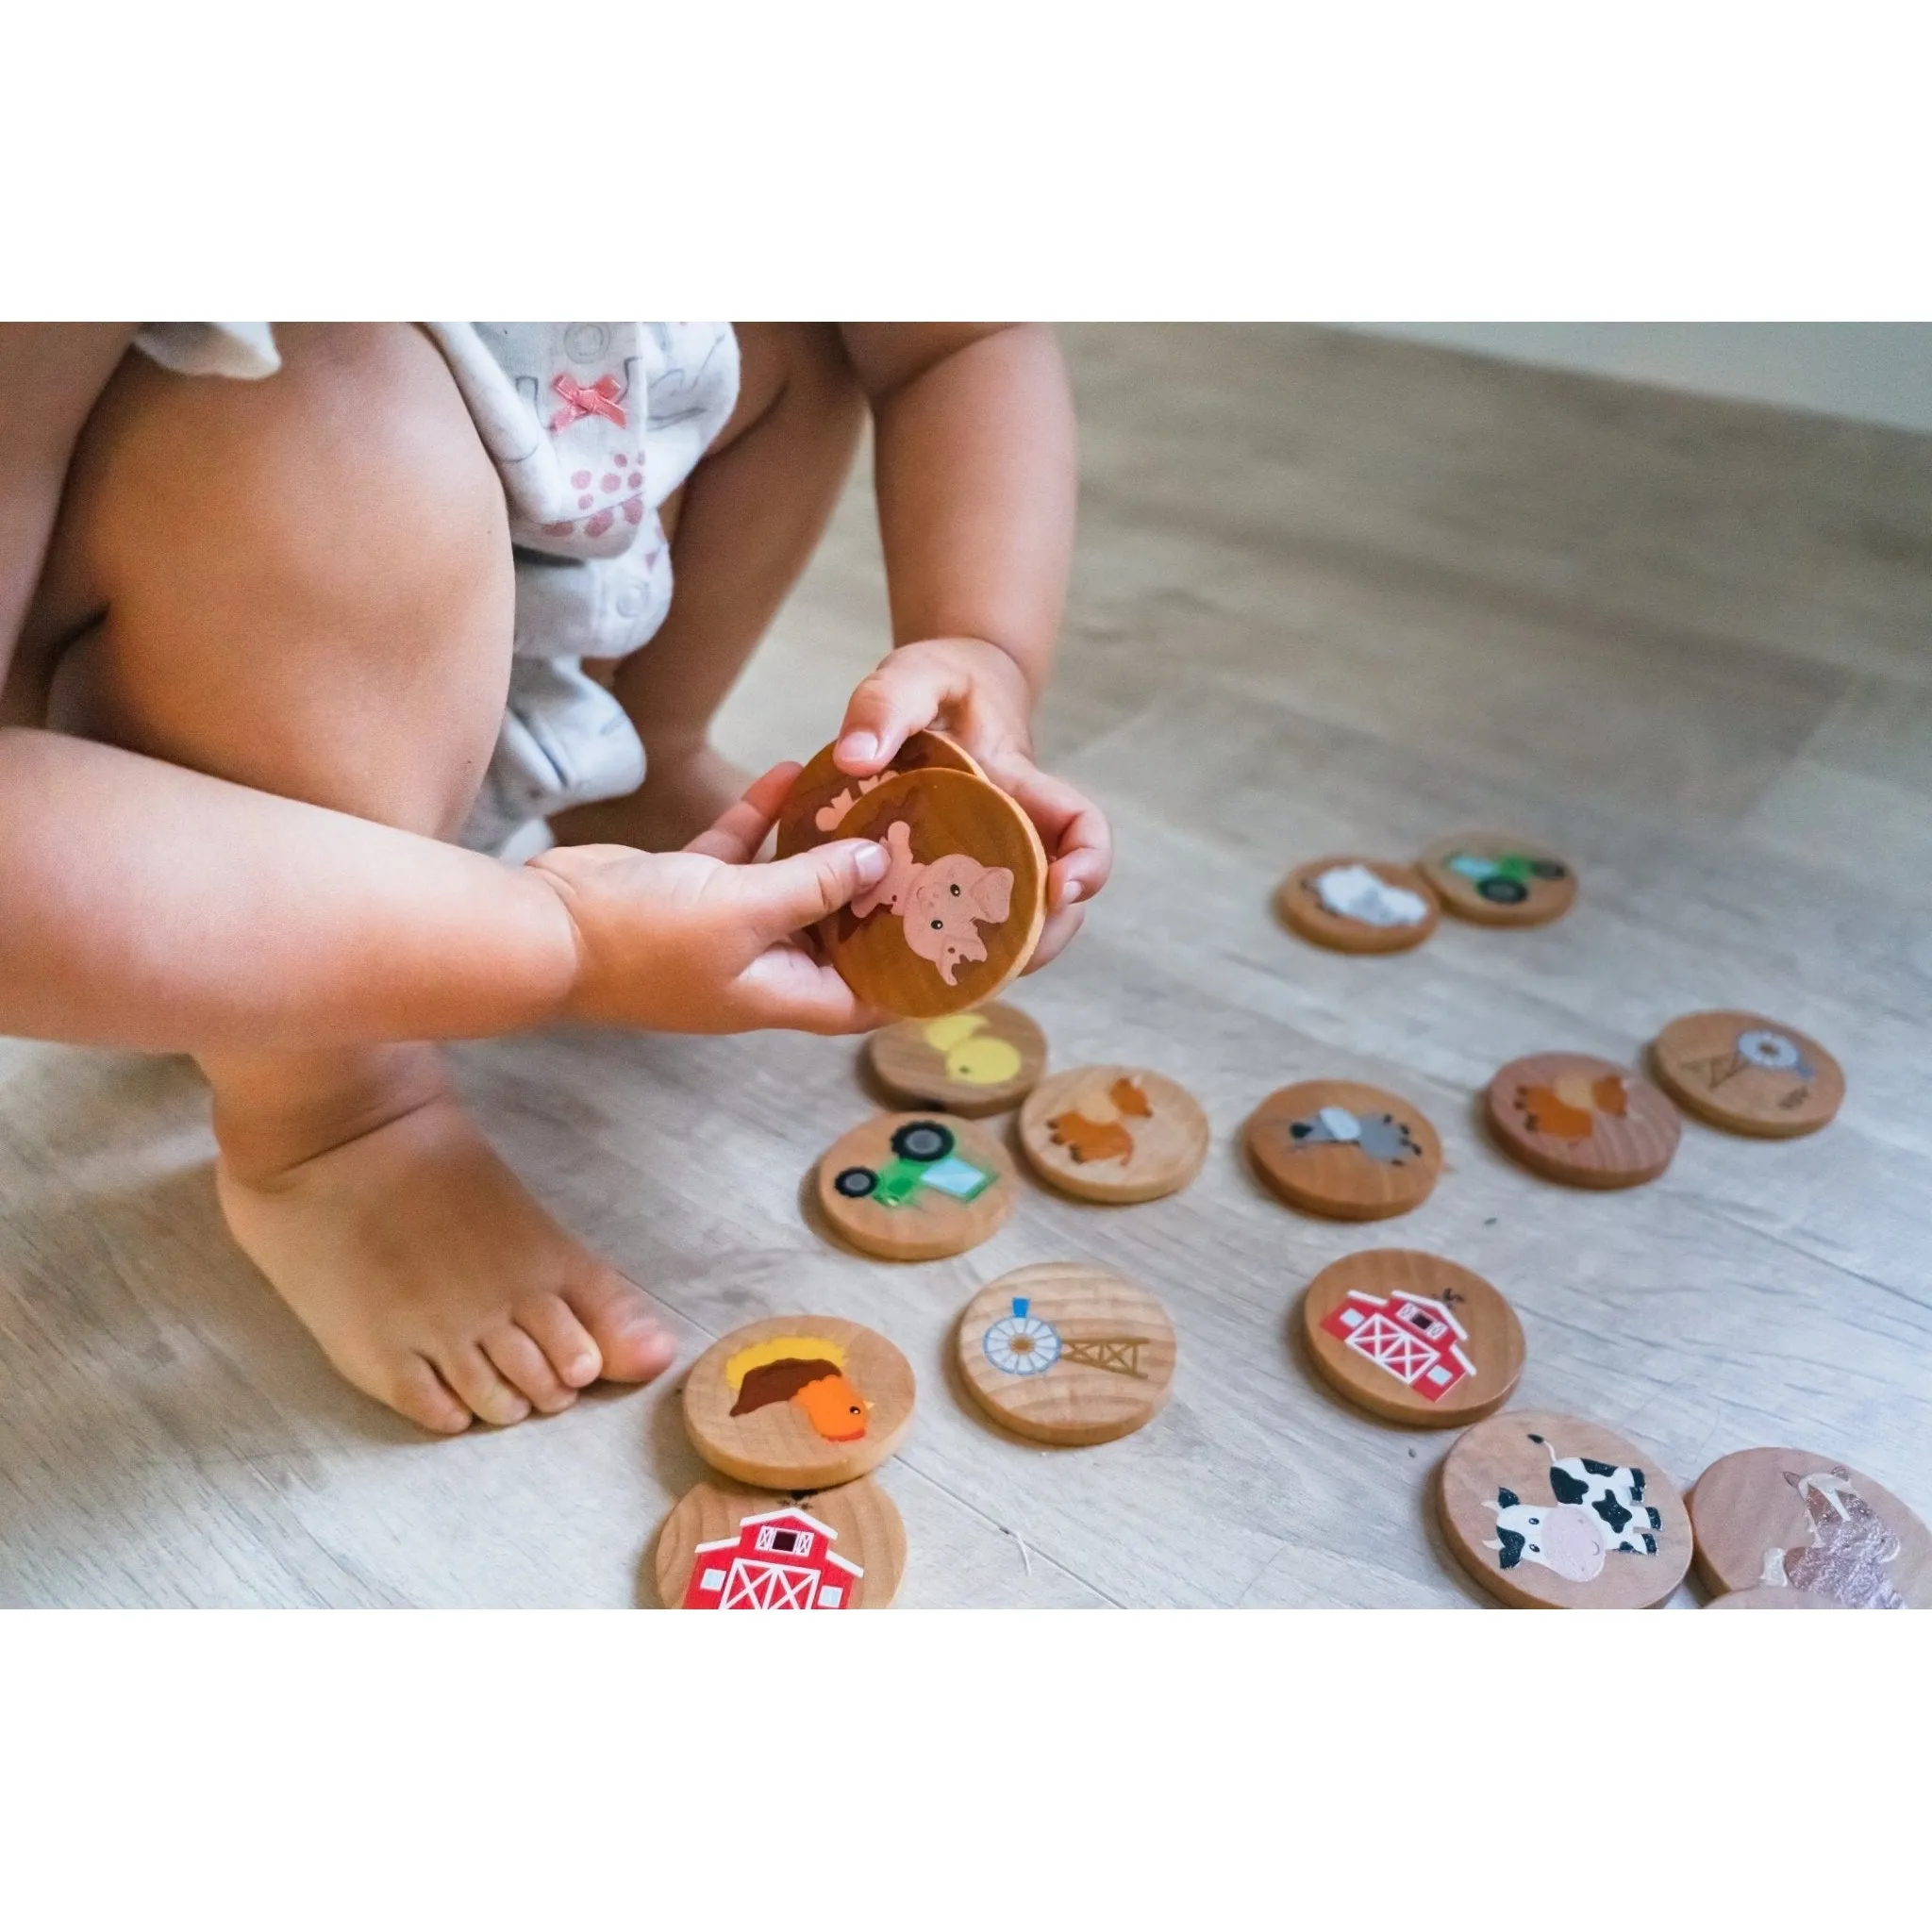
x=600 y=399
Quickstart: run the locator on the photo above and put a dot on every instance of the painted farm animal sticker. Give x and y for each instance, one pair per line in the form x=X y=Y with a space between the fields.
x=1114 y=1133
x=1353 y=891
x=1569 y=1107
x=1748 y=1073
x=808 y=1371
x=1358 y=904
x=1793 y=1519
x=1849 y=1549
x=1594 y=1509
x=1554 y=1512
x=1380 y=1135
x=797 y=1403
x=1109 y=1137
x=1588 y=1121
x=1067 y=1353
x=941 y=905
x=959 y=908
x=977 y=1063
x=1340 y=1148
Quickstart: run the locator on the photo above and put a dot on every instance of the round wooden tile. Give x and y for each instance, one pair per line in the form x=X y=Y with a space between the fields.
x=822 y=794
x=798 y=1402
x=1412 y=1338
x=914 y=1187
x=1764 y=1597
x=1750 y=1074
x=1499 y=880
x=1067 y=1353
x=1114 y=1133
x=729 y=1547
x=1551 y=1513
x=958 y=914
x=1339 y=1148
x=1571 y=1117
x=1790 y=1519
x=972 y=1063
x=1358 y=904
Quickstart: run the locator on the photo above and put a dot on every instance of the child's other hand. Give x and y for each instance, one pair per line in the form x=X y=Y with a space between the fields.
x=975 y=693
x=701 y=940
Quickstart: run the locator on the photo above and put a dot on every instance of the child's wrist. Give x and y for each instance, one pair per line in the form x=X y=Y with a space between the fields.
x=549 y=947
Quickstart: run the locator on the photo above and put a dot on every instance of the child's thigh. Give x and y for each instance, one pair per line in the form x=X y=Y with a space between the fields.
x=303 y=583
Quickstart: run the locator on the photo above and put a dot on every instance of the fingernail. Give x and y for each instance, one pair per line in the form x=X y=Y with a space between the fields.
x=859 y=744
x=870 y=861
x=1071 y=893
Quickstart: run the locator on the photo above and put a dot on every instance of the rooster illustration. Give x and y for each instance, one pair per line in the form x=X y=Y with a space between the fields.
x=807 y=1371
x=1567 y=1107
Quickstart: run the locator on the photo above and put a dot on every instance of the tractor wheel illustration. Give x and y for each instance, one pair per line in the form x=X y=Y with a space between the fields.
x=854 y=1183
x=1021 y=1343
x=1549 y=868
x=924 y=1140
x=1500 y=890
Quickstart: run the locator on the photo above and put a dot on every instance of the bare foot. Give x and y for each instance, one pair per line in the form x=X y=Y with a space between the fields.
x=428 y=1275
x=683 y=793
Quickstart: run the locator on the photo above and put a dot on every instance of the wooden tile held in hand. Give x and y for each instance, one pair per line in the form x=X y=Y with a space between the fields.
x=975 y=1063
x=1340 y=1148
x=822 y=794
x=915 y=1186
x=798 y=1402
x=1412 y=1338
x=1552 y=1512
x=1587 y=1122
x=1750 y=1074
x=1115 y=1134
x=1067 y=1353
x=727 y=1546
x=958 y=913
x=1791 y=1519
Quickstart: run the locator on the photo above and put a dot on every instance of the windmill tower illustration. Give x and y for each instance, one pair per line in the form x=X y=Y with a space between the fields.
x=1023 y=1343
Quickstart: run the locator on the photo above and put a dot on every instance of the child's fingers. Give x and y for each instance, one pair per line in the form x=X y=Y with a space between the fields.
x=741 y=829
x=1055 y=934
x=790 y=893
x=786 y=987
x=904 y=696
x=1077 y=837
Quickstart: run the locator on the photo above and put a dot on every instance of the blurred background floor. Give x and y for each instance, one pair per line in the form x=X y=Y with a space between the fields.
x=1333 y=593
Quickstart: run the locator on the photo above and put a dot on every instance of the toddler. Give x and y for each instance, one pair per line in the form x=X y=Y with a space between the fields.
x=306 y=624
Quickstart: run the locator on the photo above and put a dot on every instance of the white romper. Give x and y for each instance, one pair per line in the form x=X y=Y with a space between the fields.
x=592 y=425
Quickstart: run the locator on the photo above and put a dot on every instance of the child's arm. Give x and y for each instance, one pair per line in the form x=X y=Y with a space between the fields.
x=145 y=906
x=975 y=469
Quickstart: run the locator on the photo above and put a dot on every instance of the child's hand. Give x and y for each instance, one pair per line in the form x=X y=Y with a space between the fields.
x=975 y=693
x=699 y=941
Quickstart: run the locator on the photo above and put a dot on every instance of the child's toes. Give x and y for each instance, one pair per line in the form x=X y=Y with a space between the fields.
x=526 y=1369
x=565 y=1341
x=634 y=1344
x=469 y=1372
x=416 y=1390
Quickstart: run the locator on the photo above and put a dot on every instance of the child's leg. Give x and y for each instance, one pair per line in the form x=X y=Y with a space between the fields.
x=304 y=585
x=742 y=529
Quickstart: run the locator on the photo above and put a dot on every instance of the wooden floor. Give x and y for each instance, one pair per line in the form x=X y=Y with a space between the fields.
x=1332 y=593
